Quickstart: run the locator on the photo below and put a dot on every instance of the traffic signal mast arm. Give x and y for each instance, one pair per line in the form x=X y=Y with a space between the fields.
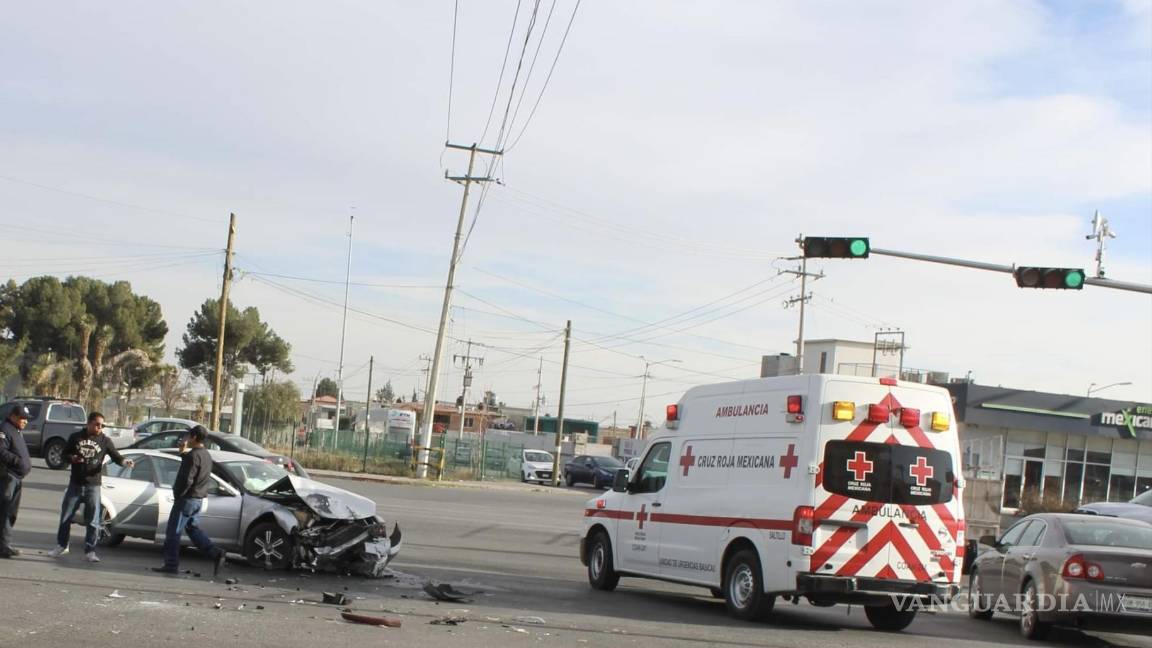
x=978 y=265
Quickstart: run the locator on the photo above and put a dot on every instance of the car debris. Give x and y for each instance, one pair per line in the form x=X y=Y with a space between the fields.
x=370 y=620
x=530 y=619
x=448 y=620
x=116 y=594
x=445 y=592
x=332 y=598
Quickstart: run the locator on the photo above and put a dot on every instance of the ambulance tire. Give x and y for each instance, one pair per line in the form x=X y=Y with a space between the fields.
x=744 y=587
x=602 y=574
x=888 y=618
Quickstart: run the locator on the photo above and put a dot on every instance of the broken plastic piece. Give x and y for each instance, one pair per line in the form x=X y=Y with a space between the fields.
x=445 y=592
x=371 y=620
x=335 y=598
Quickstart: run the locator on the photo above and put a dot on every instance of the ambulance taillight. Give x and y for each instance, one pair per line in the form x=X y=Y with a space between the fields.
x=803 y=525
x=910 y=417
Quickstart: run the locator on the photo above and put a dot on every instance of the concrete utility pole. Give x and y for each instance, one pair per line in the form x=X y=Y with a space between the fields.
x=466 y=362
x=1101 y=232
x=343 y=334
x=434 y=369
x=216 y=387
x=803 y=298
x=367 y=413
x=536 y=406
x=560 y=413
x=643 y=393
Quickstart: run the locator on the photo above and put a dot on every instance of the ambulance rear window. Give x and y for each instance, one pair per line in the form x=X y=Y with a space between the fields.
x=892 y=474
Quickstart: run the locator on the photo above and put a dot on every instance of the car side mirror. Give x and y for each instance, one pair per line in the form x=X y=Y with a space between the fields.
x=620 y=481
x=988 y=540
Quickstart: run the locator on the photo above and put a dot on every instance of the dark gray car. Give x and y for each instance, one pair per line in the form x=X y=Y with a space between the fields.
x=1066 y=569
x=1137 y=508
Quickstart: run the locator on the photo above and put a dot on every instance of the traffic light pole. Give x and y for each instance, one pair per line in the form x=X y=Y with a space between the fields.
x=1008 y=269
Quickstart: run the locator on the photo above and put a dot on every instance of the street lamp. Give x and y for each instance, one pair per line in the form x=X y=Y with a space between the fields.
x=643 y=390
x=1093 y=388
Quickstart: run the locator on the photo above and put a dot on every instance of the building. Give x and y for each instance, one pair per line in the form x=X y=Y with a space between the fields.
x=447 y=417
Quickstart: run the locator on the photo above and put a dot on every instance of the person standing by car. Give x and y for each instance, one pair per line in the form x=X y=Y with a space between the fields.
x=15 y=464
x=86 y=450
x=189 y=491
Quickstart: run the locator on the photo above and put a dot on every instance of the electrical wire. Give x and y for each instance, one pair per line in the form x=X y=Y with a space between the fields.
x=547 y=78
x=503 y=66
x=108 y=201
x=451 y=71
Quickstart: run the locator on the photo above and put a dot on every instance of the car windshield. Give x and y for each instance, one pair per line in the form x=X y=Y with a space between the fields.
x=609 y=462
x=1144 y=498
x=1108 y=533
x=538 y=457
x=255 y=476
x=241 y=444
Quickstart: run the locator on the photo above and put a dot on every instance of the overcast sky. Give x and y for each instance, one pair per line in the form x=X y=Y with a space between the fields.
x=678 y=150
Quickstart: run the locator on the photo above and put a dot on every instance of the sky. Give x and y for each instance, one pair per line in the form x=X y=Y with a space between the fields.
x=650 y=192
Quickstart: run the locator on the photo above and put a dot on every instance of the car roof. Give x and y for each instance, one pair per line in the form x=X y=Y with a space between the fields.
x=221 y=456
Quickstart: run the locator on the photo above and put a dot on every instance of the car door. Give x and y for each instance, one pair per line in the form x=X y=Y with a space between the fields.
x=992 y=563
x=166 y=470
x=1018 y=556
x=219 y=511
x=638 y=537
x=34 y=432
x=131 y=493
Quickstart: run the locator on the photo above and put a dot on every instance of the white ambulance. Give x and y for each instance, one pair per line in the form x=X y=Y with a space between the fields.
x=834 y=489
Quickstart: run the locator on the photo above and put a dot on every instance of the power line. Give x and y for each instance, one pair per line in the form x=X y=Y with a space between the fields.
x=503 y=66
x=532 y=65
x=547 y=78
x=214 y=221
x=452 y=71
x=333 y=281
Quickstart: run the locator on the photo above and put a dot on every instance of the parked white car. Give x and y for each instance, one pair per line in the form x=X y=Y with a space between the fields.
x=254 y=508
x=536 y=466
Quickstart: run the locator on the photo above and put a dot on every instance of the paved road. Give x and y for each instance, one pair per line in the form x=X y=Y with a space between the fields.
x=516 y=546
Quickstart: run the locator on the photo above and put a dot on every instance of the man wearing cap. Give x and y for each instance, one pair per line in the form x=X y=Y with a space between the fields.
x=15 y=464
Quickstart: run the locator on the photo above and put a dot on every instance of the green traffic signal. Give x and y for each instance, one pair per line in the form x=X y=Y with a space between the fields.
x=1055 y=278
x=1074 y=279
x=859 y=247
x=836 y=247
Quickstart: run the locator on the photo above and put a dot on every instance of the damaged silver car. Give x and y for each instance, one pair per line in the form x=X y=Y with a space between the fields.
x=253 y=508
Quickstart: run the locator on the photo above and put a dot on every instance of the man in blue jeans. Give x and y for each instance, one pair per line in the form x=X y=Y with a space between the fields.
x=189 y=491
x=86 y=450
x=14 y=467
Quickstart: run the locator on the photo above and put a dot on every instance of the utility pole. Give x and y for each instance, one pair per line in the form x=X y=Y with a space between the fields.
x=216 y=387
x=560 y=413
x=643 y=393
x=367 y=413
x=1100 y=232
x=536 y=407
x=343 y=334
x=466 y=363
x=803 y=298
x=434 y=369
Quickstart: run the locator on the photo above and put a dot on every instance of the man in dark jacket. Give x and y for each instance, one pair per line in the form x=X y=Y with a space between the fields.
x=15 y=465
x=189 y=491
x=86 y=450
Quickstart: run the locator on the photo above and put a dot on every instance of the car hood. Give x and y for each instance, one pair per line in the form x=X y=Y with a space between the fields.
x=1119 y=509
x=539 y=465
x=324 y=500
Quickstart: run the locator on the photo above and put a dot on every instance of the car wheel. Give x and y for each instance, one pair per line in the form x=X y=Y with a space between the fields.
x=106 y=538
x=979 y=603
x=602 y=574
x=1031 y=627
x=568 y=479
x=888 y=617
x=54 y=454
x=268 y=546
x=744 y=588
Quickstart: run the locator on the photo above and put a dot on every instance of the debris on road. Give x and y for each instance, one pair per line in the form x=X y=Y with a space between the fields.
x=448 y=620
x=530 y=619
x=231 y=581
x=335 y=598
x=445 y=592
x=116 y=594
x=370 y=620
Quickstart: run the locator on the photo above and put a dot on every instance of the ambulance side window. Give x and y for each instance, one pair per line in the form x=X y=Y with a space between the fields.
x=654 y=471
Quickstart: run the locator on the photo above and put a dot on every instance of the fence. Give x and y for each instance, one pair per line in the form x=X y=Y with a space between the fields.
x=466 y=457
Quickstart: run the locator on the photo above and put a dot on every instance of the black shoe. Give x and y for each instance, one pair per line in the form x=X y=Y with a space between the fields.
x=166 y=570
x=10 y=552
x=218 y=563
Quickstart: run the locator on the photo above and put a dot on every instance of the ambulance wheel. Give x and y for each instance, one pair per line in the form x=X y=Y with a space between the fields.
x=602 y=574
x=979 y=605
x=744 y=587
x=888 y=617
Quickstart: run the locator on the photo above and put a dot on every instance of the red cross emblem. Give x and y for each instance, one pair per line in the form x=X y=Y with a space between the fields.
x=922 y=471
x=860 y=466
x=789 y=461
x=641 y=516
x=688 y=460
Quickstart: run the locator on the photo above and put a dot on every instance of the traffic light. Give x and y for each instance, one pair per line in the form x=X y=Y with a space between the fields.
x=836 y=247
x=1059 y=278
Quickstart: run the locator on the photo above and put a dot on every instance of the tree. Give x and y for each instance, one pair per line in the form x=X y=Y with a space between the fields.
x=277 y=402
x=327 y=387
x=386 y=395
x=248 y=342
x=174 y=387
x=11 y=356
x=85 y=325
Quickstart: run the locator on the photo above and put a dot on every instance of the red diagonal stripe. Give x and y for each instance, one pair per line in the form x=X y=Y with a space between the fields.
x=887 y=573
x=839 y=537
x=909 y=555
x=949 y=522
x=929 y=538
x=867 y=552
x=920 y=438
x=830 y=506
